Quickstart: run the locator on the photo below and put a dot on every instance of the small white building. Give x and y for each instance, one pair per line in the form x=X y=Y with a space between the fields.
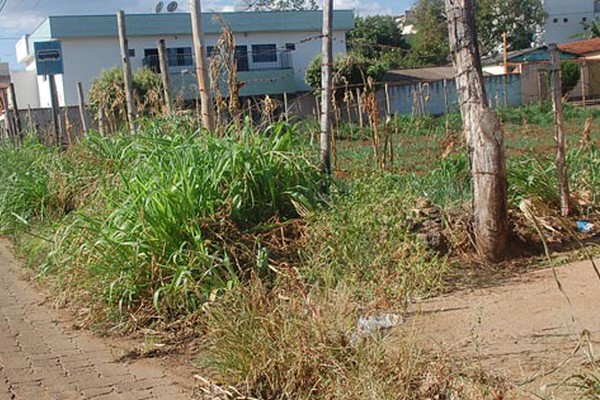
x=273 y=49
x=565 y=19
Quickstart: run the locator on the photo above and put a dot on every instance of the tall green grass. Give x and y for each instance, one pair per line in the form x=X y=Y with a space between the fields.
x=158 y=222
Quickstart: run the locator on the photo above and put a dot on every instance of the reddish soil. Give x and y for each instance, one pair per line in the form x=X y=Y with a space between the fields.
x=524 y=329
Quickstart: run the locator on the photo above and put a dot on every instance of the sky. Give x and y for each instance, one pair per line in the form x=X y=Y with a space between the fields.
x=19 y=17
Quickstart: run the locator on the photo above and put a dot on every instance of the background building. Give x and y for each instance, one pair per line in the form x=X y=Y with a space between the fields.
x=565 y=19
x=273 y=49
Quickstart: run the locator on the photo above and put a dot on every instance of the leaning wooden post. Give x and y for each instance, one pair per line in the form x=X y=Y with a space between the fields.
x=559 y=132
x=7 y=116
x=326 y=90
x=206 y=99
x=583 y=84
x=164 y=74
x=18 y=126
x=82 y=111
x=484 y=135
x=127 y=74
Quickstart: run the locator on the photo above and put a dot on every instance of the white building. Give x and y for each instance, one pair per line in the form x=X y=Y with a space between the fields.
x=565 y=18
x=273 y=49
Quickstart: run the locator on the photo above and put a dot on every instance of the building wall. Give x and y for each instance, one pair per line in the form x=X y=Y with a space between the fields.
x=564 y=19
x=26 y=88
x=85 y=58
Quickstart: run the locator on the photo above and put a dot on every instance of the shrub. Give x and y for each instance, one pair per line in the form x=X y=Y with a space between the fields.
x=347 y=70
x=108 y=93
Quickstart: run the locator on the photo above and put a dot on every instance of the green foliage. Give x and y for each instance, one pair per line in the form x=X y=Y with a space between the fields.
x=108 y=92
x=519 y=19
x=430 y=44
x=376 y=36
x=592 y=29
x=570 y=74
x=349 y=69
x=158 y=221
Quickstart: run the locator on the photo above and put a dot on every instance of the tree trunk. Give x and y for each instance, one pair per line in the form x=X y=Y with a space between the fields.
x=326 y=90
x=559 y=131
x=484 y=135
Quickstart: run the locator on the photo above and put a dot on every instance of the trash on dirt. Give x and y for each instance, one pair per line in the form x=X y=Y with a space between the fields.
x=368 y=326
x=585 y=226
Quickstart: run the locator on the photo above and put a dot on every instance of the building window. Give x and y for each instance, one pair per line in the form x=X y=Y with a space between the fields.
x=264 y=53
x=241 y=57
x=584 y=19
x=565 y=20
x=290 y=46
x=180 y=57
x=555 y=20
x=131 y=52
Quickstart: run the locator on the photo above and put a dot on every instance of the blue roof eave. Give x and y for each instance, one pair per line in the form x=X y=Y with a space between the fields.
x=73 y=26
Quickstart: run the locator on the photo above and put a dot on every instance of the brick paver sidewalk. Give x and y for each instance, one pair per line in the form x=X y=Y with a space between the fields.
x=41 y=359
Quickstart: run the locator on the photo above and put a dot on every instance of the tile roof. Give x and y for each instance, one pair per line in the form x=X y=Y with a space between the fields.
x=582 y=47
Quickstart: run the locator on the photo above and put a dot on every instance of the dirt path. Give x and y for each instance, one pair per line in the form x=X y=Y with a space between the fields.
x=524 y=330
x=41 y=358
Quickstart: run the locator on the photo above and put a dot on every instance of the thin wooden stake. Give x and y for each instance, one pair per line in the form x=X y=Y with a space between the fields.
x=286 y=110
x=82 y=110
x=164 y=74
x=127 y=74
x=18 y=126
x=361 y=121
x=583 y=85
x=388 y=106
x=559 y=133
x=446 y=97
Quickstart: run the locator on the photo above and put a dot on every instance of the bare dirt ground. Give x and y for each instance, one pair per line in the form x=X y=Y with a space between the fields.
x=41 y=357
x=525 y=329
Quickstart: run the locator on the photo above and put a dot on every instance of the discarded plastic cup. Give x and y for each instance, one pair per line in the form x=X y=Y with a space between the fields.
x=585 y=226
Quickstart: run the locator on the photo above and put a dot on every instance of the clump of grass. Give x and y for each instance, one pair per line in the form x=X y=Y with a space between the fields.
x=272 y=344
x=153 y=225
x=364 y=241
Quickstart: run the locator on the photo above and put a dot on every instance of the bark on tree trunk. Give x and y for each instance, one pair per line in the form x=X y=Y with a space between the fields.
x=484 y=135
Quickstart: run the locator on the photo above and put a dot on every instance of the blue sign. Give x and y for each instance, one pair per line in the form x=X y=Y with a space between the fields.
x=48 y=57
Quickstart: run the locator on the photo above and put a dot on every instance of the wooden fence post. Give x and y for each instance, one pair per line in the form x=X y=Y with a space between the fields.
x=55 y=109
x=127 y=74
x=286 y=109
x=206 y=98
x=361 y=121
x=559 y=133
x=82 y=110
x=446 y=97
x=583 y=84
x=19 y=134
x=164 y=74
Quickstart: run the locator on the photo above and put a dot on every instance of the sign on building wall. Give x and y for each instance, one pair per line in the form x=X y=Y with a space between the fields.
x=48 y=57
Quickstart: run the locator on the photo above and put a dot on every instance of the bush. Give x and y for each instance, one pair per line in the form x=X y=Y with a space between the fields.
x=347 y=70
x=108 y=92
x=570 y=75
